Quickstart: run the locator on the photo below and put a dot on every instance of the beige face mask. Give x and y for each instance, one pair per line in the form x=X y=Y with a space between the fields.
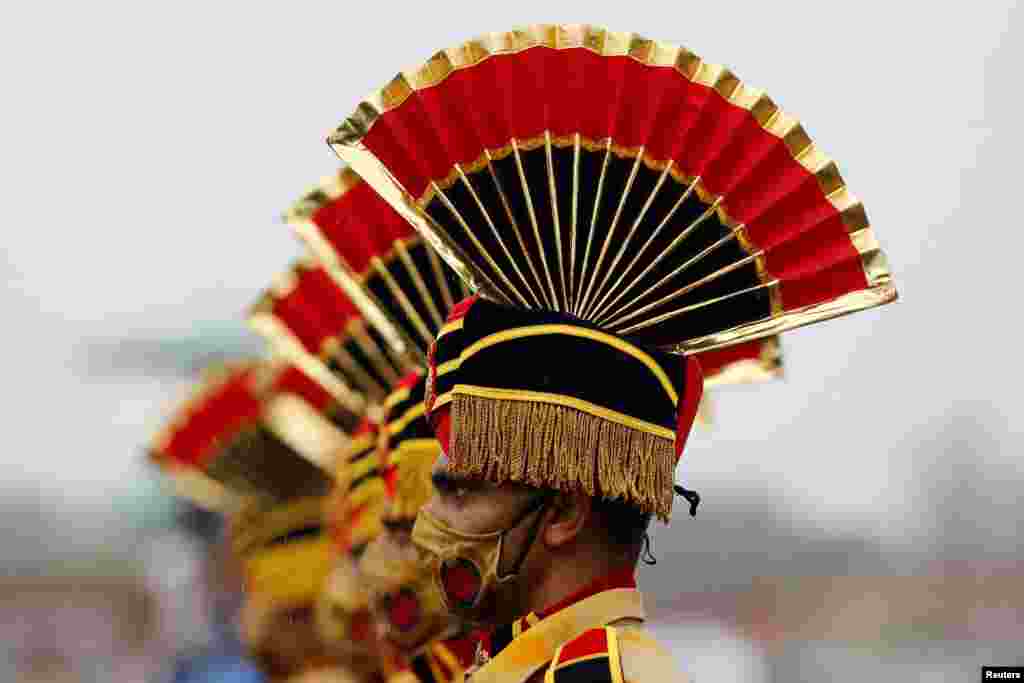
x=404 y=597
x=465 y=565
x=342 y=612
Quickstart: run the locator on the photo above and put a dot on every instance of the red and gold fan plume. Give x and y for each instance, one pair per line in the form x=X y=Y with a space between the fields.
x=402 y=288
x=309 y=319
x=620 y=180
x=399 y=282
x=259 y=430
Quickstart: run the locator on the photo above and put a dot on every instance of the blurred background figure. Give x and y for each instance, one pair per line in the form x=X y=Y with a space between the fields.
x=168 y=615
x=151 y=147
x=255 y=441
x=204 y=609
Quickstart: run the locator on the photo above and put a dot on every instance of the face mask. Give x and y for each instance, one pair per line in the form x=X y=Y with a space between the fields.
x=465 y=565
x=405 y=598
x=342 y=612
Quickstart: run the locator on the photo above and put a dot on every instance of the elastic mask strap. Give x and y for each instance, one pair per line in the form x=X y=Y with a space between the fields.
x=692 y=497
x=646 y=556
x=538 y=503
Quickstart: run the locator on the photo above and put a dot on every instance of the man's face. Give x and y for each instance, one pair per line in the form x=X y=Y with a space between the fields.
x=476 y=507
x=384 y=567
x=282 y=640
x=472 y=505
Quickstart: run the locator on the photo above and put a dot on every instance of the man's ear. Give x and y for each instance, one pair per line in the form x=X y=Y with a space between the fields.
x=569 y=515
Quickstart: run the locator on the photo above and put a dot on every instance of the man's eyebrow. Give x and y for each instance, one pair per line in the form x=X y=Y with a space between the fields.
x=445 y=481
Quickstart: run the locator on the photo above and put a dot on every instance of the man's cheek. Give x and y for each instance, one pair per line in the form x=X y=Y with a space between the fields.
x=478 y=514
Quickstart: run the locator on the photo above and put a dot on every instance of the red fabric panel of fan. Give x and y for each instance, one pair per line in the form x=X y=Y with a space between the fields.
x=334 y=307
x=291 y=380
x=235 y=407
x=360 y=225
x=315 y=309
x=185 y=442
x=301 y=320
x=714 y=361
x=574 y=90
x=219 y=415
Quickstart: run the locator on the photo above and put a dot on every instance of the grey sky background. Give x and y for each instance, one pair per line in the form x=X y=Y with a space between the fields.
x=149 y=149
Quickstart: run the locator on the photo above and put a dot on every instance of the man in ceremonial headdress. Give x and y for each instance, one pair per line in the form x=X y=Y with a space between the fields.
x=369 y=255
x=541 y=509
x=365 y=253
x=353 y=515
x=287 y=563
x=261 y=437
x=621 y=207
x=427 y=643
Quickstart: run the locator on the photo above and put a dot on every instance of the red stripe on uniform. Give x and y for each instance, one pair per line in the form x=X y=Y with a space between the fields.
x=590 y=642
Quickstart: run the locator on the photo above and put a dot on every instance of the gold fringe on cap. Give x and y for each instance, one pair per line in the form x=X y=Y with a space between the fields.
x=559 y=447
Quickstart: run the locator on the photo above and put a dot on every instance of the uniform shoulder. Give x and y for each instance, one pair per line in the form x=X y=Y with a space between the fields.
x=613 y=654
x=587 y=657
x=644 y=659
